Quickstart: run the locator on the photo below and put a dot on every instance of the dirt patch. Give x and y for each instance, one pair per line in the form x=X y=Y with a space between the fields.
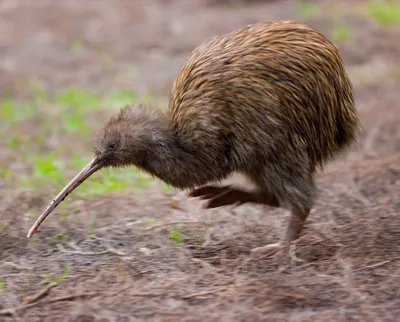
x=156 y=256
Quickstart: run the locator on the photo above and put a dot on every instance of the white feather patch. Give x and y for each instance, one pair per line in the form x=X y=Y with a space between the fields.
x=239 y=180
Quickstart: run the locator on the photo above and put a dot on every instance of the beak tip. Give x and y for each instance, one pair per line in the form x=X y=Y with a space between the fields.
x=30 y=233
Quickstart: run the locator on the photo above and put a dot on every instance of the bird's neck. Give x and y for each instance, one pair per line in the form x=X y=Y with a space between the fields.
x=174 y=160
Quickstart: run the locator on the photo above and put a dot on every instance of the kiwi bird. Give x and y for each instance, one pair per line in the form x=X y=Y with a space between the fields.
x=270 y=101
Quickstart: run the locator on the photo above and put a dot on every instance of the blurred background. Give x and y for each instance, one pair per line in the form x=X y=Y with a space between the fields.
x=67 y=66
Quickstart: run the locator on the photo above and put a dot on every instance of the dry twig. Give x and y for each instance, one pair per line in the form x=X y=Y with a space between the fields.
x=112 y=250
x=373 y=265
x=173 y=223
x=200 y=294
x=11 y=311
x=39 y=295
x=77 y=252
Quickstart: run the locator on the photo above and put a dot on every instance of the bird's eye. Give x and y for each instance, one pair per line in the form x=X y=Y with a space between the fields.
x=113 y=146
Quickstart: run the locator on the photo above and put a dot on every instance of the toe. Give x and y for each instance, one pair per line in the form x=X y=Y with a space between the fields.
x=207 y=191
x=267 y=250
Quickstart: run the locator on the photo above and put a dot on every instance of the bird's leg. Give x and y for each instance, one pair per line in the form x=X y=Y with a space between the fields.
x=226 y=195
x=296 y=224
x=300 y=196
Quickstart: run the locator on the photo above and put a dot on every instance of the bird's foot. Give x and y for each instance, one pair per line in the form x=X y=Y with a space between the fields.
x=207 y=192
x=268 y=250
x=221 y=196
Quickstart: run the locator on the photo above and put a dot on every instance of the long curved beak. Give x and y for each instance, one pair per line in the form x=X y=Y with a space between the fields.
x=86 y=172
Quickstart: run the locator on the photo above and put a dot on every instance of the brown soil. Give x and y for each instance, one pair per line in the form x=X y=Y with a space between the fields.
x=346 y=267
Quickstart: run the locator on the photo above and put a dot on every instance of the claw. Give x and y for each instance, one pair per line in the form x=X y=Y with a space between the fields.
x=267 y=250
x=229 y=197
x=203 y=192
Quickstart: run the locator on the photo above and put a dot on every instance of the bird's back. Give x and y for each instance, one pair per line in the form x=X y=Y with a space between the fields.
x=271 y=83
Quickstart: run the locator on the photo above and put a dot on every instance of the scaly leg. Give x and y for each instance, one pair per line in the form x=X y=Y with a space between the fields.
x=293 y=231
x=299 y=195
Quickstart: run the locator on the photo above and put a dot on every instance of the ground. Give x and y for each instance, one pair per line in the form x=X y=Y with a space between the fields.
x=125 y=247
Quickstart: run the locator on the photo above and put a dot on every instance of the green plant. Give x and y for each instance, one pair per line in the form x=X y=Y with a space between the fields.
x=63 y=276
x=3 y=284
x=13 y=111
x=75 y=123
x=62 y=212
x=5 y=173
x=341 y=33
x=78 y=45
x=38 y=93
x=92 y=226
x=77 y=99
x=148 y=97
x=58 y=237
x=7 y=110
x=306 y=9
x=167 y=188
x=121 y=98
x=35 y=242
x=46 y=169
x=49 y=170
x=176 y=236
x=67 y=114
x=31 y=214
x=150 y=221
x=385 y=12
x=113 y=180
x=14 y=142
x=106 y=60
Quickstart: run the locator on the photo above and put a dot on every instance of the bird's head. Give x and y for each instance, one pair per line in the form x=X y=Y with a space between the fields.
x=125 y=140
x=128 y=136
